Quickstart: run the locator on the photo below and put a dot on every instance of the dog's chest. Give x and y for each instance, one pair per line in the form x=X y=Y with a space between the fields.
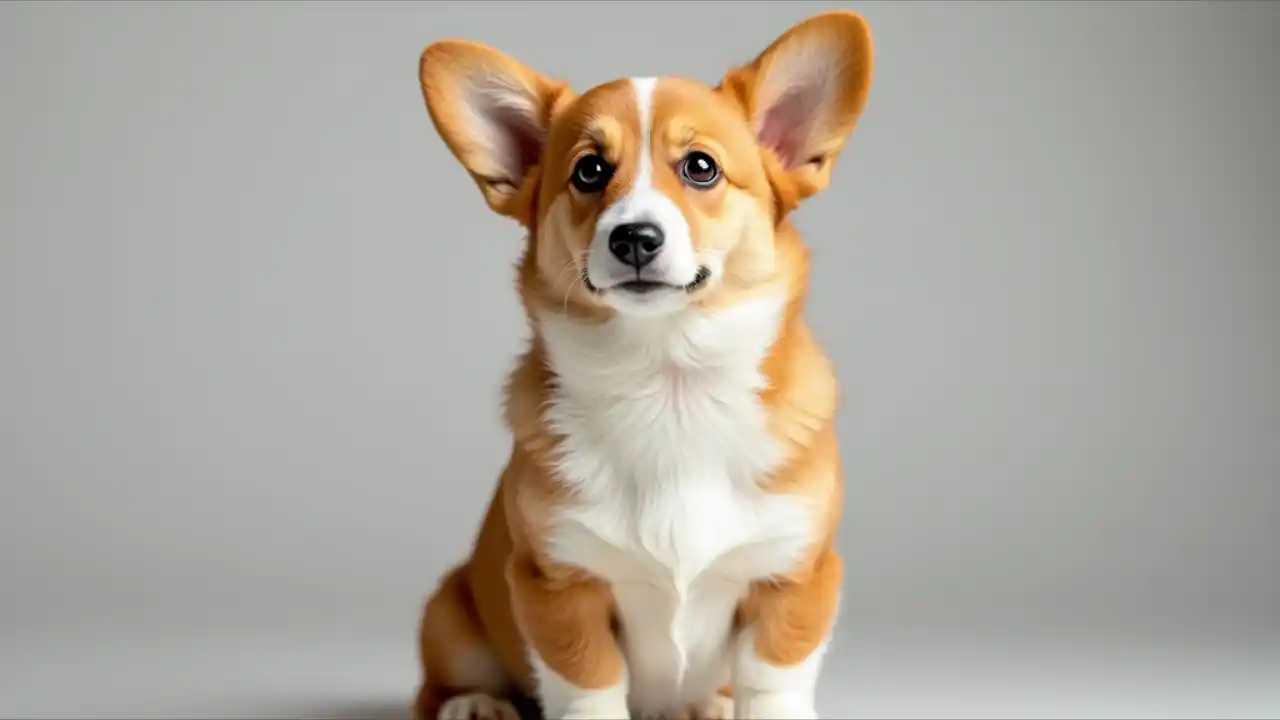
x=679 y=561
x=665 y=442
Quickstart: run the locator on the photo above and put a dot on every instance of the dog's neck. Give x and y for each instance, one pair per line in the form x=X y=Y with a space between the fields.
x=618 y=355
x=662 y=399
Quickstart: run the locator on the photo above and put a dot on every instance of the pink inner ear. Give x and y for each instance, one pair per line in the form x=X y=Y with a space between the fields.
x=520 y=136
x=506 y=122
x=787 y=123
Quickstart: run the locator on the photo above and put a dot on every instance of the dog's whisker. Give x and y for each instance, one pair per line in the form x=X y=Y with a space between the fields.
x=582 y=277
x=570 y=266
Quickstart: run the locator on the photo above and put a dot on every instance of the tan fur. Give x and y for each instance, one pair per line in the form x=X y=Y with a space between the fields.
x=508 y=595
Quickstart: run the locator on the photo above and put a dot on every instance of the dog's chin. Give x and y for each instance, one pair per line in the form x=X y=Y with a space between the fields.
x=646 y=302
x=648 y=297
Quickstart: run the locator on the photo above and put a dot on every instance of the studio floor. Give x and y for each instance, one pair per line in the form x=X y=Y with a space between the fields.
x=327 y=672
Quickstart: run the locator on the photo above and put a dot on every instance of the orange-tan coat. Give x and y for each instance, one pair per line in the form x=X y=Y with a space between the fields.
x=662 y=541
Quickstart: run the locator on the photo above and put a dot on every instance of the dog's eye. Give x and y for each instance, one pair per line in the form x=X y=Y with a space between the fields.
x=699 y=170
x=591 y=174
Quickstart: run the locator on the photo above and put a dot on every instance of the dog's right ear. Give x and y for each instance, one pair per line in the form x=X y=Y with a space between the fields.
x=494 y=114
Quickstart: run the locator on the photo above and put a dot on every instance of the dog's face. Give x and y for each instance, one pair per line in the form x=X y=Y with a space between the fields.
x=647 y=195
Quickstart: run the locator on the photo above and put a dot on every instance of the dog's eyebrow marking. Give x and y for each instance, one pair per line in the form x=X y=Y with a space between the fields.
x=604 y=134
x=684 y=134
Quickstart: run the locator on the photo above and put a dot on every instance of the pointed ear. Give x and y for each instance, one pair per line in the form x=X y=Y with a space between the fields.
x=494 y=114
x=804 y=95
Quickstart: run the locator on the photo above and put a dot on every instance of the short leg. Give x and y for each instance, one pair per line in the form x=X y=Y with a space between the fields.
x=778 y=655
x=463 y=679
x=716 y=707
x=566 y=618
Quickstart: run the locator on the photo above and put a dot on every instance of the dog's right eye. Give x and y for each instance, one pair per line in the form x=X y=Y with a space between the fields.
x=591 y=174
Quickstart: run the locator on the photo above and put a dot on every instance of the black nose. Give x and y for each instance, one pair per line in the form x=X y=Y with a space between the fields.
x=636 y=244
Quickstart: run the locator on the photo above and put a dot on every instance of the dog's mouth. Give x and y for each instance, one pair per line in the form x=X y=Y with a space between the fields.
x=645 y=287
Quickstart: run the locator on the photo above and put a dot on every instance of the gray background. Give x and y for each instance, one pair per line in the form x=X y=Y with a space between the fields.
x=255 y=320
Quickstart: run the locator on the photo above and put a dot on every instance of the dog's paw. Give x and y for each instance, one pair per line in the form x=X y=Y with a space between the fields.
x=774 y=706
x=477 y=706
x=718 y=707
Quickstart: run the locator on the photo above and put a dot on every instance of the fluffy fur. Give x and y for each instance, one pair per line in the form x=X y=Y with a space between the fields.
x=661 y=543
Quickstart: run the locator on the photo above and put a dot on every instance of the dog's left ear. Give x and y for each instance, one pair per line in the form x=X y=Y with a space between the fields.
x=803 y=96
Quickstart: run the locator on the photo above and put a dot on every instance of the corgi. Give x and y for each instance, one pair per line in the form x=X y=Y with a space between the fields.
x=661 y=543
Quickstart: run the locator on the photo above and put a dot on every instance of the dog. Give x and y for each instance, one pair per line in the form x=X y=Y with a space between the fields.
x=661 y=543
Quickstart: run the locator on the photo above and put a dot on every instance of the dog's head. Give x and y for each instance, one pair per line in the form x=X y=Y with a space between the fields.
x=648 y=195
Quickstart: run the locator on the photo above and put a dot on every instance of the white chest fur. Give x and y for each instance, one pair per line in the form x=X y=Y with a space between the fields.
x=665 y=442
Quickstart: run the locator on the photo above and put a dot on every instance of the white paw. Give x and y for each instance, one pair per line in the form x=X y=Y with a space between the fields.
x=593 y=714
x=477 y=706
x=716 y=708
x=773 y=706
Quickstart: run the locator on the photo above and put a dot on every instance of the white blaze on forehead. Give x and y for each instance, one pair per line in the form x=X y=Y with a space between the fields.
x=644 y=88
x=643 y=202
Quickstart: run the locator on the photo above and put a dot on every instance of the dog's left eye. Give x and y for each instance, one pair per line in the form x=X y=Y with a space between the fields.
x=592 y=174
x=699 y=170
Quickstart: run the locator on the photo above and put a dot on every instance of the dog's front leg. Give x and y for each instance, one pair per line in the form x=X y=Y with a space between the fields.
x=565 y=615
x=786 y=624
